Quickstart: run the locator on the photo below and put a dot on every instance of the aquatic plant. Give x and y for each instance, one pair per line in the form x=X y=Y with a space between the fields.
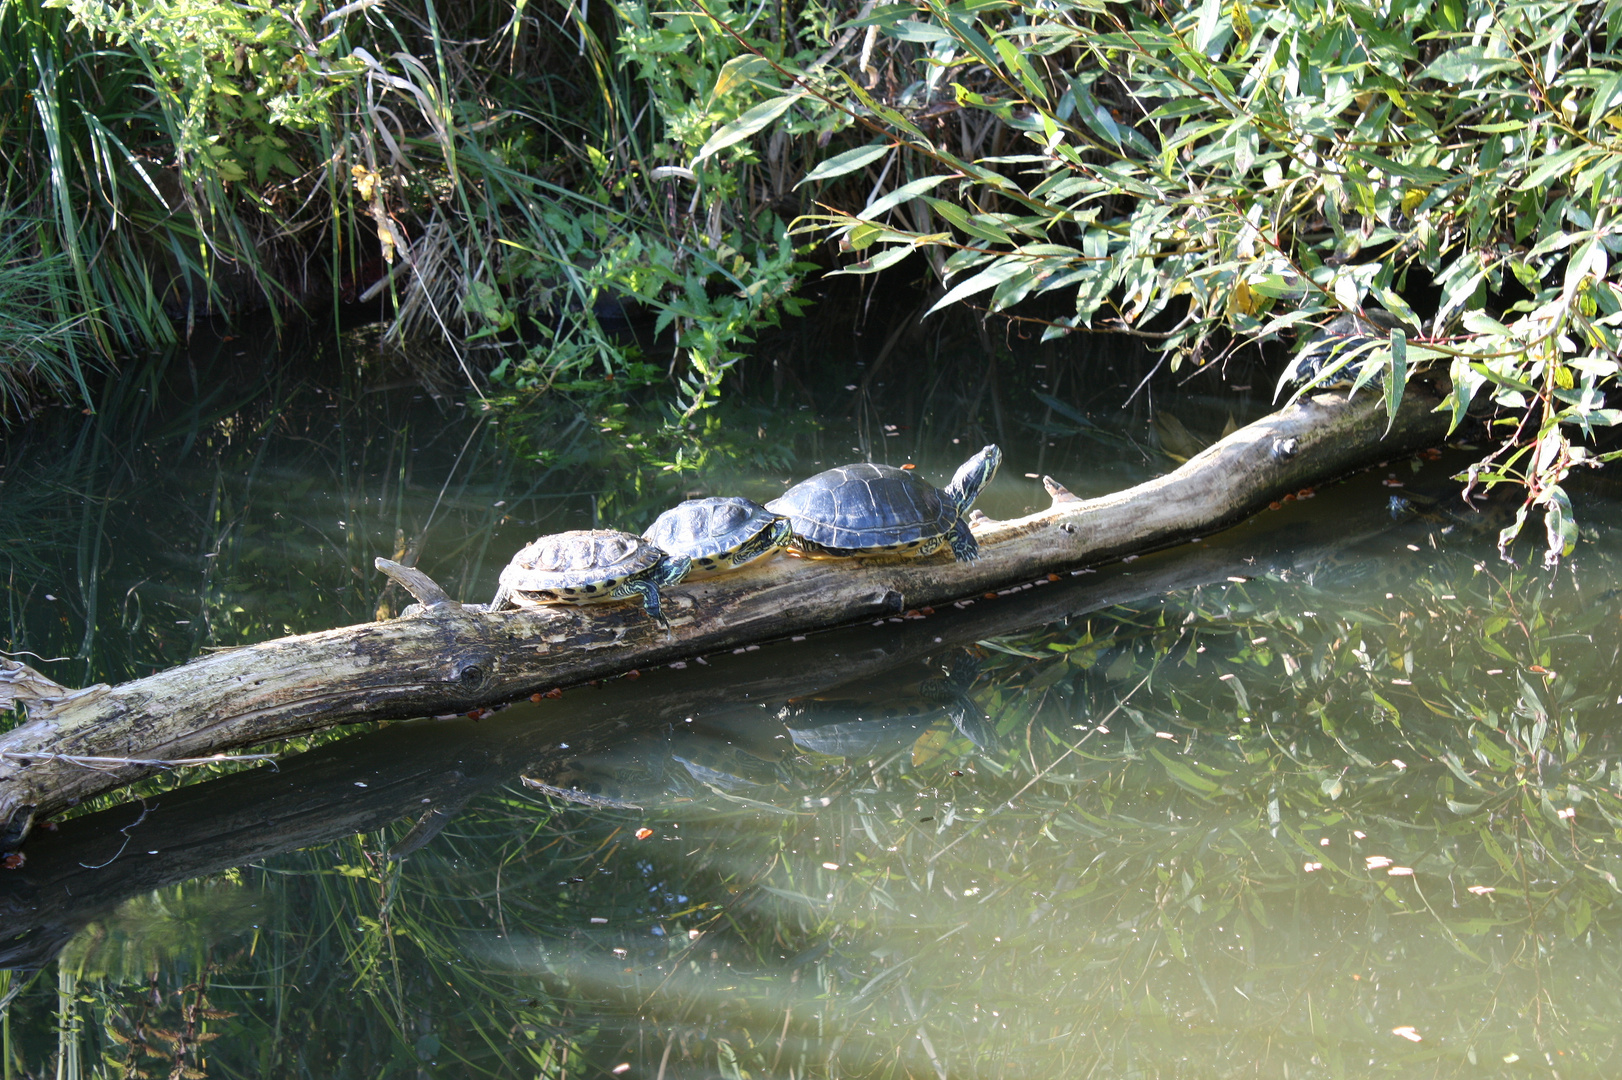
x=46 y=345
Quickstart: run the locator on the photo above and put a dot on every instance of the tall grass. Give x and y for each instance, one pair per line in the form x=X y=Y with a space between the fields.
x=44 y=343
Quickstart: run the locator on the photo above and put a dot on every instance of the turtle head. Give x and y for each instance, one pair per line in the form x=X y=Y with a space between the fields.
x=671 y=570
x=973 y=475
x=781 y=532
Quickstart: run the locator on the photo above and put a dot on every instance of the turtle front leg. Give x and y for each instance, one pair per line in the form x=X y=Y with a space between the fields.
x=650 y=599
x=964 y=545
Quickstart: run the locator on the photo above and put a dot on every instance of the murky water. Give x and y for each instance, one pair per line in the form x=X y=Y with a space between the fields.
x=1336 y=793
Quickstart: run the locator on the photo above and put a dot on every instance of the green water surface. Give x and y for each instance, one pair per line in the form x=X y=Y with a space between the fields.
x=1336 y=793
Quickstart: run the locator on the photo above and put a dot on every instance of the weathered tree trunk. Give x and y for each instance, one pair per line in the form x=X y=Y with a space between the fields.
x=426 y=771
x=451 y=658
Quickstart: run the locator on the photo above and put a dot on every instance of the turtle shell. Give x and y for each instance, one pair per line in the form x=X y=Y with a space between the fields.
x=867 y=507
x=579 y=566
x=716 y=532
x=1354 y=337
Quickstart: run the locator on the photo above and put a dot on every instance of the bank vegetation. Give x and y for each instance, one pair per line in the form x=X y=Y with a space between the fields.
x=518 y=179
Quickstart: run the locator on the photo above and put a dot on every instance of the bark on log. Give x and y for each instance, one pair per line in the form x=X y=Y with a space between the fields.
x=449 y=658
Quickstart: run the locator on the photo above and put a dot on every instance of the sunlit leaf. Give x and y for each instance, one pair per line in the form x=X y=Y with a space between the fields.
x=748 y=124
x=847 y=162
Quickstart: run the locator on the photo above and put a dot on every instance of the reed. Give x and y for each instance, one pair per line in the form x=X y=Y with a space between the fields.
x=45 y=348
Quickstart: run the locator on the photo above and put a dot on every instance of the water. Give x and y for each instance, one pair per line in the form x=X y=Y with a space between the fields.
x=1336 y=793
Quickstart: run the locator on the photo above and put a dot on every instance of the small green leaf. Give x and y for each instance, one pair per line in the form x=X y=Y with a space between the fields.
x=747 y=124
x=848 y=162
x=1559 y=524
x=1466 y=64
x=1397 y=377
x=991 y=277
x=901 y=195
x=1183 y=776
x=739 y=71
x=888 y=257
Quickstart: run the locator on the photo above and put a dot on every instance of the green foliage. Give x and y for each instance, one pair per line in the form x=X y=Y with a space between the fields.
x=231 y=80
x=1216 y=172
x=193 y=156
x=43 y=349
x=713 y=274
x=72 y=162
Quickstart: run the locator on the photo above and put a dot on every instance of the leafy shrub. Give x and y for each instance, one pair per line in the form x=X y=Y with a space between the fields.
x=1210 y=173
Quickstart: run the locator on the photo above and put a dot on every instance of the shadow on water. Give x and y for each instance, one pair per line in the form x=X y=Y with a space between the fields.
x=1334 y=793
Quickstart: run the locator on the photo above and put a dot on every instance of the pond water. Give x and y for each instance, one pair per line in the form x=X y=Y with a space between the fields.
x=1335 y=793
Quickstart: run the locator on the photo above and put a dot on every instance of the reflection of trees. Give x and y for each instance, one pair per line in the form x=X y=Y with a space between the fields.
x=1145 y=901
x=209 y=502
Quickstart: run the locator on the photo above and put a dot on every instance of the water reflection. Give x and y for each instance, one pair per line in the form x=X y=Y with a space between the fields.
x=1332 y=794
x=890 y=712
x=1252 y=807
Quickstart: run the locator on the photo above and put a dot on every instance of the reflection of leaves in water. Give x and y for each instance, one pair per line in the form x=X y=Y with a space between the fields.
x=171 y=523
x=640 y=466
x=160 y=928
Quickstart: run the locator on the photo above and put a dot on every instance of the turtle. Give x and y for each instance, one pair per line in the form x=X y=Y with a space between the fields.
x=719 y=533
x=587 y=566
x=879 y=715
x=867 y=509
x=1348 y=341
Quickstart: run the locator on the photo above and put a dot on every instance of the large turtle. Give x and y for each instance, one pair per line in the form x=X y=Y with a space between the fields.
x=870 y=509
x=587 y=566
x=719 y=533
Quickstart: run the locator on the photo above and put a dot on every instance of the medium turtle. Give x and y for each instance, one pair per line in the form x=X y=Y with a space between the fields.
x=719 y=533
x=868 y=509
x=587 y=566
x=879 y=715
x=1347 y=340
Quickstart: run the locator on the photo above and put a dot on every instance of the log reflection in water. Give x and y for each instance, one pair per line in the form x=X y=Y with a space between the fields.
x=429 y=769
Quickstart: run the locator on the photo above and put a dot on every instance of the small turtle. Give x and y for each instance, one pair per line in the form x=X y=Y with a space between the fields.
x=1348 y=341
x=587 y=566
x=868 y=509
x=719 y=534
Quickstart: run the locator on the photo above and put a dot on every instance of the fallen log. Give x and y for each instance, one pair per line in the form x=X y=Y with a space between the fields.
x=450 y=658
x=426 y=771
